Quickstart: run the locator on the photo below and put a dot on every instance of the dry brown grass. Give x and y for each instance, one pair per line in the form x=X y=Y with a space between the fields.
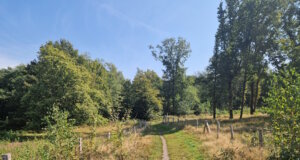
x=128 y=145
x=132 y=147
x=103 y=130
x=120 y=146
x=245 y=143
x=137 y=146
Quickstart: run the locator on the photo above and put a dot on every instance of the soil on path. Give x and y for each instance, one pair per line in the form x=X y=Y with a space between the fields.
x=165 y=155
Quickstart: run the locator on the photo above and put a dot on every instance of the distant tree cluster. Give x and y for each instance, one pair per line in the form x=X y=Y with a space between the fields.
x=87 y=89
x=252 y=36
x=256 y=62
x=62 y=78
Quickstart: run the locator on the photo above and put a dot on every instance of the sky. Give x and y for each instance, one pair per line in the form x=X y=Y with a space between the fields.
x=116 y=31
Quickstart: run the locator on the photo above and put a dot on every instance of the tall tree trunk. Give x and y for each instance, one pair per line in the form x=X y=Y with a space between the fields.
x=174 y=110
x=251 y=96
x=214 y=103
x=243 y=94
x=256 y=96
x=230 y=99
x=214 y=110
x=214 y=97
x=173 y=103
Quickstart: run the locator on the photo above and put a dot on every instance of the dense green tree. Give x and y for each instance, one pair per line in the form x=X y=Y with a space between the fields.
x=99 y=83
x=115 y=82
x=290 y=41
x=173 y=54
x=62 y=83
x=14 y=83
x=127 y=101
x=146 y=100
x=213 y=69
x=246 y=36
x=203 y=83
x=226 y=61
x=64 y=78
x=284 y=109
x=190 y=101
x=257 y=37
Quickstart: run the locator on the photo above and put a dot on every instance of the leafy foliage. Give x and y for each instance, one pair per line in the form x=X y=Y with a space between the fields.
x=173 y=54
x=190 y=100
x=61 y=136
x=284 y=109
x=14 y=83
x=146 y=101
x=62 y=83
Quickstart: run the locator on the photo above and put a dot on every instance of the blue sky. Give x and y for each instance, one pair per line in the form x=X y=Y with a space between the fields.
x=117 y=31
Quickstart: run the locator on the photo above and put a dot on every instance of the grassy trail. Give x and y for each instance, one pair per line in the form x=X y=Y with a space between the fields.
x=181 y=144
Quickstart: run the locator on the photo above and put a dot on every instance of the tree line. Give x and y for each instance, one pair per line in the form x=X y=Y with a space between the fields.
x=256 y=41
x=89 y=90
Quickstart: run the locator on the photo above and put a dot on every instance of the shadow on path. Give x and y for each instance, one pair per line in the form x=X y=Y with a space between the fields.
x=161 y=129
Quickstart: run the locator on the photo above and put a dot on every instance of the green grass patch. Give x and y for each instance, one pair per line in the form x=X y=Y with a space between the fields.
x=182 y=145
x=156 y=148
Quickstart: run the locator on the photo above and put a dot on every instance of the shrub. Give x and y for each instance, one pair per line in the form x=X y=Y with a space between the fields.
x=61 y=136
x=284 y=109
x=226 y=154
x=9 y=135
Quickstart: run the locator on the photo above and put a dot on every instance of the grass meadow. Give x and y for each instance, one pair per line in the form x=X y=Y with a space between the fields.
x=128 y=140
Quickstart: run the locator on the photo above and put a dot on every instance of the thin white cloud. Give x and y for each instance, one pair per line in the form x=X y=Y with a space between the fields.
x=131 y=21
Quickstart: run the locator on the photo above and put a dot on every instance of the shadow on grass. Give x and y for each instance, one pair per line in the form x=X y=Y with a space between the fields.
x=247 y=124
x=161 y=129
x=19 y=137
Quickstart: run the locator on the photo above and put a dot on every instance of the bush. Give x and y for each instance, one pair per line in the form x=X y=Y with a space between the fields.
x=9 y=135
x=284 y=109
x=61 y=136
x=203 y=108
x=226 y=154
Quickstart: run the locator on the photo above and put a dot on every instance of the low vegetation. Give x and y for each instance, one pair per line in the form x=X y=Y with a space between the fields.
x=245 y=144
x=184 y=140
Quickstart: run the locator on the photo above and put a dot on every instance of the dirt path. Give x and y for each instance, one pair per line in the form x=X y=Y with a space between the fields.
x=165 y=149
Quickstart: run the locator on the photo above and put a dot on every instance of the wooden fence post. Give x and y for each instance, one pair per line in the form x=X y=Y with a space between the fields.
x=177 y=120
x=260 y=137
x=6 y=156
x=197 y=123
x=80 y=145
x=108 y=135
x=173 y=119
x=231 y=132
x=218 y=128
x=206 y=127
